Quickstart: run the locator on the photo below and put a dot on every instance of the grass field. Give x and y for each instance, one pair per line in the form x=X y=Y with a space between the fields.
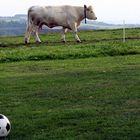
x=86 y=91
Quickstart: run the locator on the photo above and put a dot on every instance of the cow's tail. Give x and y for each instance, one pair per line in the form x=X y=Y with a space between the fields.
x=29 y=20
x=29 y=27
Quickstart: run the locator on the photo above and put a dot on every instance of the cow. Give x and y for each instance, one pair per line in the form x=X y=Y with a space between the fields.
x=69 y=17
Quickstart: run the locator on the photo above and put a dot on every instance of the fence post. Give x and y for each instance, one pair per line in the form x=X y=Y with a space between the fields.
x=123 y=31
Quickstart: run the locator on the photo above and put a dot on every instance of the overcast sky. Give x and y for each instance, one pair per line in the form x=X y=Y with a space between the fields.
x=110 y=11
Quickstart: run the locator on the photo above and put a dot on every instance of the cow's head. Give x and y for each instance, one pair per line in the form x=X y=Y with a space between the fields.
x=90 y=13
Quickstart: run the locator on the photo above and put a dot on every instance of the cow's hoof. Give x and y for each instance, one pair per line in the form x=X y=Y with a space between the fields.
x=78 y=41
x=38 y=42
x=63 y=41
x=26 y=42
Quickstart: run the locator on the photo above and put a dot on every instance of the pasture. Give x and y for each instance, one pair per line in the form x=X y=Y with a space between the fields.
x=72 y=91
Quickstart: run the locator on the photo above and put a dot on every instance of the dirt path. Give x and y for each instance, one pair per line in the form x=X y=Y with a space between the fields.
x=68 y=42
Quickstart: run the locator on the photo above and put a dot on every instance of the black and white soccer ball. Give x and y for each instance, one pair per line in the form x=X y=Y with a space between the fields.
x=5 y=126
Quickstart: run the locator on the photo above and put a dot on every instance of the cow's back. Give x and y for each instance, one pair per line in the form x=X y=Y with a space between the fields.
x=52 y=11
x=51 y=15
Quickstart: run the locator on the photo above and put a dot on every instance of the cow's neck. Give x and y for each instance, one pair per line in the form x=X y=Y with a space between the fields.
x=81 y=13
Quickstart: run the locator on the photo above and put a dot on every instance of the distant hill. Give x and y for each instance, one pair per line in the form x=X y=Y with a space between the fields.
x=17 y=18
x=15 y=25
x=101 y=25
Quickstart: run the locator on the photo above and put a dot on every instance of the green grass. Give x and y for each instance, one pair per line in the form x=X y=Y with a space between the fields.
x=95 y=98
x=72 y=91
x=95 y=44
x=67 y=52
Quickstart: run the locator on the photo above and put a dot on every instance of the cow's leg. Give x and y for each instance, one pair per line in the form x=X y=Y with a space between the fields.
x=28 y=33
x=63 y=39
x=77 y=37
x=36 y=28
x=74 y=29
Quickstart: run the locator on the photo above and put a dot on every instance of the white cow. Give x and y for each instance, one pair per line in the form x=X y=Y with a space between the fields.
x=69 y=17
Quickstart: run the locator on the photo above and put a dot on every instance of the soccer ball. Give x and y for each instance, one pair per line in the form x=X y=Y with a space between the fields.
x=5 y=126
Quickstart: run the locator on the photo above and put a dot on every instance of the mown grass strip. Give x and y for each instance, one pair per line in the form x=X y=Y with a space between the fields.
x=67 y=52
x=95 y=44
x=94 y=98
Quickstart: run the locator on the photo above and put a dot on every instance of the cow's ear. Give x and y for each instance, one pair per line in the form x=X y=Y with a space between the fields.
x=89 y=8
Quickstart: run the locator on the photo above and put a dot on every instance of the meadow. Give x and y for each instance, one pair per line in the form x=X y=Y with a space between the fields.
x=72 y=91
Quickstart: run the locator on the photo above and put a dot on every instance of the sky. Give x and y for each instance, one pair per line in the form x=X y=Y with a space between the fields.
x=110 y=11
